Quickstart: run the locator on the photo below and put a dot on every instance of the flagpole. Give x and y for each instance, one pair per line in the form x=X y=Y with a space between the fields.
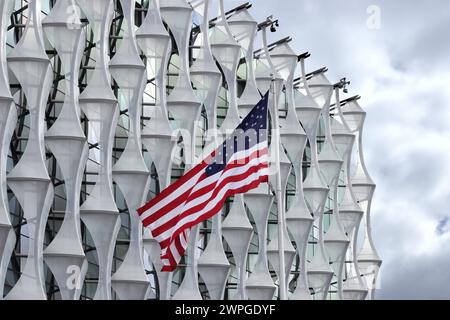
x=279 y=196
x=278 y=191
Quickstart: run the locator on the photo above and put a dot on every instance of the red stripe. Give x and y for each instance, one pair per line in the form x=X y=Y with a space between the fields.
x=254 y=184
x=191 y=173
x=168 y=268
x=255 y=154
x=169 y=224
x=166 y=242
x=179 y=247
x=172 y=263
x=168 y=255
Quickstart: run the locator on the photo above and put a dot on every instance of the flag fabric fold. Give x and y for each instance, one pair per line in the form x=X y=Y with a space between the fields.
x=239 y=165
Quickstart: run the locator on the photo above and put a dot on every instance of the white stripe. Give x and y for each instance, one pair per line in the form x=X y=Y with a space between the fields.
x=206 y=182
x=174 y=251
x=205 y=197
x=167 y=217
x=247 y=152
x=183 y=240
x=230 y=186
x=186 y=234
x=191 y=182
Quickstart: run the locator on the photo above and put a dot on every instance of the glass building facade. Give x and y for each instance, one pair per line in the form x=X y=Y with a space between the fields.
x=87 y=89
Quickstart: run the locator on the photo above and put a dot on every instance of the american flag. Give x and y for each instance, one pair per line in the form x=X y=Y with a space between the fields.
x=240 y=164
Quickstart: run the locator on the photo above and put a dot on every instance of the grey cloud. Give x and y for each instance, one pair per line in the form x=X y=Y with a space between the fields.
x=401 y=67
x=427 y=277
x=443 y=226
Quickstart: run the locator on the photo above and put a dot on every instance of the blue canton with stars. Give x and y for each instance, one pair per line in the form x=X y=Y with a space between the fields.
x=251 y=131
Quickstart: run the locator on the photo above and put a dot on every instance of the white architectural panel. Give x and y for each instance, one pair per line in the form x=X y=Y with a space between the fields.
x=130 y=173
x=154 y=41
x=67 y=142
x=8 y=118
x=213 y=265
x=99 y=211
x=185 y=108
x=29 y=179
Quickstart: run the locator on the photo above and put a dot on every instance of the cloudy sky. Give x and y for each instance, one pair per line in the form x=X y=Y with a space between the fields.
x=402 y=72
